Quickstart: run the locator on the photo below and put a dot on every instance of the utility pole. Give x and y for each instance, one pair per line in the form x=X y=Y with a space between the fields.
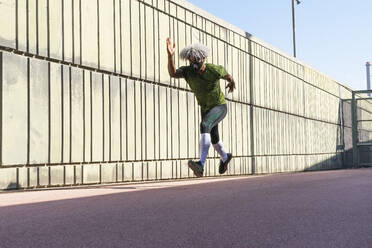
x=368 y=65
x=294 y=25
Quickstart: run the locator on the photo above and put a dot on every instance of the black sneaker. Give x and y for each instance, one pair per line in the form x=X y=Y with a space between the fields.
x=223 y=165
x=196 y=167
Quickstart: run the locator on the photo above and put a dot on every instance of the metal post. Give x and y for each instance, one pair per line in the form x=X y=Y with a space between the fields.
x=354 y=131
x=294 y=28
x=368 y=65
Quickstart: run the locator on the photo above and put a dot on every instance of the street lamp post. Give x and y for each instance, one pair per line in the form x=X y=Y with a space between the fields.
x=294 y=25
x=368 y=65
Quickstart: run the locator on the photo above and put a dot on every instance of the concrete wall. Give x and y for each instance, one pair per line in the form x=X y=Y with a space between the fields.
x=86 y=96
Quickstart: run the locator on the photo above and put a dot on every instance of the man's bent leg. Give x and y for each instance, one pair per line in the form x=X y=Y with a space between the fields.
x=209 y=120
x=217 y=143
x=205 y=143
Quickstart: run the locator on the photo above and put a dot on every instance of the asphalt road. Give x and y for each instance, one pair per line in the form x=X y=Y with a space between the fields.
x=314 y=209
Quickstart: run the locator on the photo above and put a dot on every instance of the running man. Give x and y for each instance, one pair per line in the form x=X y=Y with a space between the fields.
x=204 y=81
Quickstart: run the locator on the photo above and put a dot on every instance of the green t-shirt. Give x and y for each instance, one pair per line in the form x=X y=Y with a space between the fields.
x=206 y=86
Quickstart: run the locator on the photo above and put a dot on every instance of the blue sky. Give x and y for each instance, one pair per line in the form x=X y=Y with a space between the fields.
x=334 y=37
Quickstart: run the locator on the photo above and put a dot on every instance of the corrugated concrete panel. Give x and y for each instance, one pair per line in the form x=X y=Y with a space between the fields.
x=22 y=25
x=124 y=119
x=57 y=175
x=109 y=173
x=106 y=35
x=55 y=113
x=97 y=117
x=8 y=178
x=106 y=118
x=14 y=79
x=128 y=171
x=126 y=61
x=92 y=173
x=43 y=176
x=38 y=112
x=117 y=36
x=140 y=122
x=32 y=177
x=115 y=120
x=8 y=16
x=131 y=122
x=23 y=177
x=87 y=105
x=66 y=113
x=152 y=170
x=42 y=29
x=166 y=169
x=149 y=122
x=120 y=172
x=55 y=24
x=68 y=38
x=77 y=115
x=89 y=36
x=138 y=171
x=70 y=174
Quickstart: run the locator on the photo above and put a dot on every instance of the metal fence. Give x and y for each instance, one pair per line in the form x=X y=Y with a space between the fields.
x=362 y=128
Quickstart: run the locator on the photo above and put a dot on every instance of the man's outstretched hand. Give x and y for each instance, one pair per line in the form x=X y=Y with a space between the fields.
x=171 y=50
x=231 y=84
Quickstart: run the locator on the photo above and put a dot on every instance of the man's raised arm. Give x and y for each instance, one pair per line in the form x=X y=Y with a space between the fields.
x=171 y=66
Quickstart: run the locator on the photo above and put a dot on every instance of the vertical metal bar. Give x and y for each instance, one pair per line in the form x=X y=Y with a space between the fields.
x=355 y=131
x=73 y=31
x=70 y=112
x=84 y=126
x=98 y=43
x=121 y=121
x=114 y=27
x=121 y=46
x=16 y=24
x=135 y=120
x=110 y=116
x=1 y=108
x=91 y=115
x=81 y=40
x=343 y=134
x=126 y=120
x=63 y=30
x=140 y=38
x=62 y=117
x=100 y=172
x=145 y=39
x=103 y=117
x=253 y=162
x=37 y=26
x=28 y=110
x=74 y=174
x=49 y=115
x=28 y=28
x=154 y=51
x=48 y=29
x=143 y=121
x=130 y=38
